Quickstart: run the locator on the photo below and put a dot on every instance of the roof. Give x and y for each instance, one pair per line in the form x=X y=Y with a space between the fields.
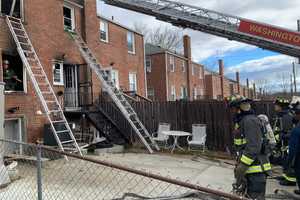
x=118 y=24
x=151 y=49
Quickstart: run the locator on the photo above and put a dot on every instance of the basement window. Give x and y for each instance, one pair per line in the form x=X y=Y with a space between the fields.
x=14 y=74
x=69 y=18
x=12 y=7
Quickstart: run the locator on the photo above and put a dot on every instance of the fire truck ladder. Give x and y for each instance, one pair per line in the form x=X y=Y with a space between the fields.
x=208 y=21
x=115 y=94
x=59 y=125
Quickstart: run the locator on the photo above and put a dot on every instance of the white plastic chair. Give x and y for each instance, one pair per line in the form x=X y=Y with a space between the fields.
x=198 y=136
x=160 y=137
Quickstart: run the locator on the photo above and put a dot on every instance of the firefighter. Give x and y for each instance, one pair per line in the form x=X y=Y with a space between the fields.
x=10 y=78
x=283 y=126
x=294 y=147
x=253 y=164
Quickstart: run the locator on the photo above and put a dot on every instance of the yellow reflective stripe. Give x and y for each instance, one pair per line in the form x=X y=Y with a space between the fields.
x=246 y=160
x=236 y=126
x=277 y=137
x=240 y=141
x=291 y=179
x=258 y=169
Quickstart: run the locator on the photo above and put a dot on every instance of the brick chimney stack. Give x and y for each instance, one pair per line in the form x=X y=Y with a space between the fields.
x=238 y=82
x=221 y=72
x=187 y=47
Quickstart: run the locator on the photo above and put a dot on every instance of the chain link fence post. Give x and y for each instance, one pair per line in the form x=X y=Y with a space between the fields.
x=39 y=171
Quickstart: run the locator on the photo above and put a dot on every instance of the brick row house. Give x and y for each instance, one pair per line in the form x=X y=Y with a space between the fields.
x=119 y=49
x=171 y=76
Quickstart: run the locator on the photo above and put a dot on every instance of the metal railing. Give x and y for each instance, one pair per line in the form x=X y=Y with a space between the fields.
x=41 y=172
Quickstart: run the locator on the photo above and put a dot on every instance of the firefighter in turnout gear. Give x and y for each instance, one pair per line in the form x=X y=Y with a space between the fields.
x=294 y=147
x=283 y=126
x=253 y=164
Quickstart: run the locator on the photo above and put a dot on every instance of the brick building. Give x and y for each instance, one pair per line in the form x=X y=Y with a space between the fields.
x=118 y=48
x=172 y=76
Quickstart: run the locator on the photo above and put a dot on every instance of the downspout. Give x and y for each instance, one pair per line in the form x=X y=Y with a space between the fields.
x=167 y=80
x=2 y=104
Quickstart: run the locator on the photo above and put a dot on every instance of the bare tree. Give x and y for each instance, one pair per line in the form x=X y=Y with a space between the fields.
x=163 y=36
x=283 y=81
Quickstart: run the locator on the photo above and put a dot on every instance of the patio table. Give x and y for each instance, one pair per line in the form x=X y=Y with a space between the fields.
x=176 y=135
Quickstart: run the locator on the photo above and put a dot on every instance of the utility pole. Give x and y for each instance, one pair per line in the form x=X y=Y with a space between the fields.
x=295 y=78
x=291 y=84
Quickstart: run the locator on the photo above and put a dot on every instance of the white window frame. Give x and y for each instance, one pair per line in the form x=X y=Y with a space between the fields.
x=151 y=93
x=173 y=93
x=183 y=91
x=72 y=17
x=193 y=69
x=133 y=42
x=21 y=9
x=61 y=82
x=106 y=30
x=200 y=73
x=115 y=78
x=148 y=64
x=133 y=74
x=195 y=93
x=172 y=63
x=183 y=66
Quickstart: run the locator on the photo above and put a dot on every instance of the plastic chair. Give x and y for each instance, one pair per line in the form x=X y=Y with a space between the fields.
x=160 y=137
x=198 y=136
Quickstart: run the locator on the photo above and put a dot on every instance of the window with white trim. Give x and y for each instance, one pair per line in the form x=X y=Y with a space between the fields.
x=9 y=7
x=151 y=93
x=200 y=73
x=183 y=92
x=183 y=66
x=69 y=18
x=173 y=93
x=195 y=93
x=172 y=63
x=103 y=30
x=193 y=69
x=148 y=64
x=58 y=73
x=130 y=42
x=115 y=78
x=132 y=82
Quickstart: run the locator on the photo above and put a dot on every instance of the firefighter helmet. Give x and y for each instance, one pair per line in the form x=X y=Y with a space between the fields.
x=237 y=100
x=280 y=101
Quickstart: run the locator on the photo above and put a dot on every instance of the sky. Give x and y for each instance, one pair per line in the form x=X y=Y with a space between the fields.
x=260 y=66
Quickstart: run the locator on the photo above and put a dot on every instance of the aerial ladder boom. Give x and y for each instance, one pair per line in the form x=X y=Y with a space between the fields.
x=262 y=35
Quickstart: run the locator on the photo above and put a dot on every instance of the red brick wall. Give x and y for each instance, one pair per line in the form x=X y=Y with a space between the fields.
x=197 y=80
x=156 y=79
x=44 y=25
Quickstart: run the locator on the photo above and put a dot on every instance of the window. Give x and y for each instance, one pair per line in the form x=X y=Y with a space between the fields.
x=200 y=73
x=148 y=64
x=132 y=82
x=173 y=93
x=195 y=93
x=8 y=8
x=172 y=63
x=69 y=18
x=193 y=69
x=130 y=42
x=183 y=66
x=103 y=31
x=115 y=78
x=151 y=93
x=58 y=73
x=183 y=92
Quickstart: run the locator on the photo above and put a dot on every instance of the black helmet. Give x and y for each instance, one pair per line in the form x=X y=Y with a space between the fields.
x=237 y=100
x=296 y=107
x=282 y=102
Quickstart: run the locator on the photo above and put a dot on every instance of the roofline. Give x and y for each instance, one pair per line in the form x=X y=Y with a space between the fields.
x=74 y=4
x=119 y=24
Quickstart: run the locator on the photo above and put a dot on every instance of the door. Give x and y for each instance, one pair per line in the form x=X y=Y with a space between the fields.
x=71 y=86
x=13 y=131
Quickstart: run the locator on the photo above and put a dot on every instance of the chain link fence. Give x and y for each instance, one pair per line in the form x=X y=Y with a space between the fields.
x=29 y=171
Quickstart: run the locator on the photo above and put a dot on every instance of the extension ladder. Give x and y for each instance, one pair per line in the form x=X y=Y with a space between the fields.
x=59 y=125
x=116 y=95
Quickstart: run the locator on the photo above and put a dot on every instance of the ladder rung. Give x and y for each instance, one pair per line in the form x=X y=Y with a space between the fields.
x=27 y=51
x=39 y=75
x=64 y=131
x=46 y=92
x=66 y=142
x=50 y=101
x=14 y=22
x=55 y=111
x=21 y=36
x=61 y=121
x=18 y=29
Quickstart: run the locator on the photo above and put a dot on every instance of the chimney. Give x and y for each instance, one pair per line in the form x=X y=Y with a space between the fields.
x=248 y=89
x=221 y=72
x=187 y=47
x=238 y=82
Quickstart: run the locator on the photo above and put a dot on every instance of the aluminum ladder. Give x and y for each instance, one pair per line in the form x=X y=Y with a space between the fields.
x=59 y=125
x=115 y=94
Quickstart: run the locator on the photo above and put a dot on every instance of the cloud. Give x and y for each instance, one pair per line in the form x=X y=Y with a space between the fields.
x=283 y=13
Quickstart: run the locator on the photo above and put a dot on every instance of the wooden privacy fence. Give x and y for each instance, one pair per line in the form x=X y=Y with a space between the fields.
x=182 y=114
